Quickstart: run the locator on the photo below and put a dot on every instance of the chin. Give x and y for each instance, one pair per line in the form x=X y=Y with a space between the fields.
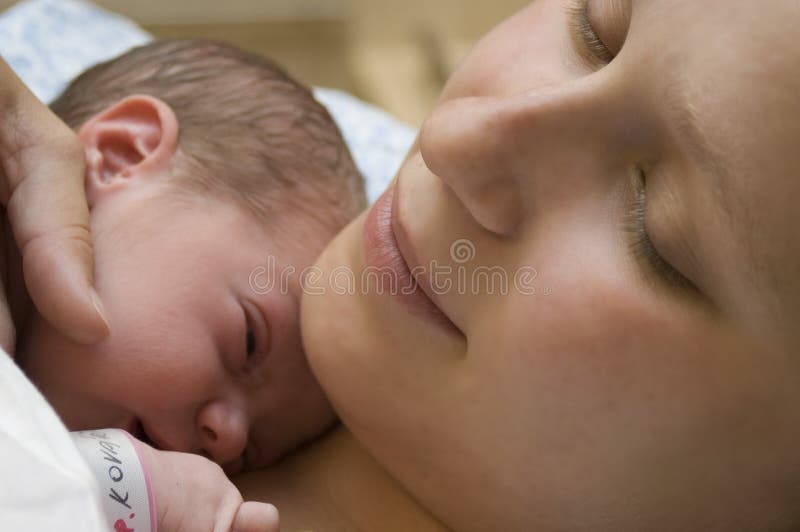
x=329 y=322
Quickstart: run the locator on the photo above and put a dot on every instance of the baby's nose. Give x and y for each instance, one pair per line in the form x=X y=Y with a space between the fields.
x=222 y=428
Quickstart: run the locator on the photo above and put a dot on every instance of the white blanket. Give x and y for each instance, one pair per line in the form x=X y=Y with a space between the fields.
x=44 y=483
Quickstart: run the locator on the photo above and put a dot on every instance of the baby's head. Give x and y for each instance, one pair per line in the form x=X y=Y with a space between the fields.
x=210 y=174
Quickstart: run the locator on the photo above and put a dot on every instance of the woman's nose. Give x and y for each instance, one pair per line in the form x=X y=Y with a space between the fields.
x=222 y=429
x=491 y=150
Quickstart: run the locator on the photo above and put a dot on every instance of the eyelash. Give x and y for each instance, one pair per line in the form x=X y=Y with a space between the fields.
x=578 y=17
x=252 y=357
x=250 y=342
x=641 y=246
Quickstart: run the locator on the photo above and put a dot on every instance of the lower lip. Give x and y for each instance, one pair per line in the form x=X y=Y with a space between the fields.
x=136 y=430
x=155 y=440
x=383 y=254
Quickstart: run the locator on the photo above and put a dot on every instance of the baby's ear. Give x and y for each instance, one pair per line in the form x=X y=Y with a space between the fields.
x=130 y=143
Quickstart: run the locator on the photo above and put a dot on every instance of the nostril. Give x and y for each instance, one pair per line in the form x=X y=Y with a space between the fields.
x=221 y=430
x=209 y=434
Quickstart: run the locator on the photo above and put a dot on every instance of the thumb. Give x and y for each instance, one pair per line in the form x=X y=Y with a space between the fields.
x=256 y=517
x=43 y=163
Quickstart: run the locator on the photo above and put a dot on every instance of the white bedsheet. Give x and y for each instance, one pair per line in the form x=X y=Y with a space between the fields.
x=44 y=483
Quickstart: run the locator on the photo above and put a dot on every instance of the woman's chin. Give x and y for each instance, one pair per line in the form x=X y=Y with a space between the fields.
x=330 y=302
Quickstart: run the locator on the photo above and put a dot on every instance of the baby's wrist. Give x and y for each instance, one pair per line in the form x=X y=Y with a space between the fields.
x=122 y=470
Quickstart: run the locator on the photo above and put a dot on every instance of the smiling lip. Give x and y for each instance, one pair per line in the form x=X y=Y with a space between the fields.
x=383 y=253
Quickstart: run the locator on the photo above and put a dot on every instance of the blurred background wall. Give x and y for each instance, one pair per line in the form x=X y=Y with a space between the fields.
x=394 y=53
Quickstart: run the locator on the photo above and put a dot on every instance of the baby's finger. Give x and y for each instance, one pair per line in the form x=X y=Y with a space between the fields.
x=256 y=517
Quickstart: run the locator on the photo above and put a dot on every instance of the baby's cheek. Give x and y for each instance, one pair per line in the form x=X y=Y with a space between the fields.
x=67 y=374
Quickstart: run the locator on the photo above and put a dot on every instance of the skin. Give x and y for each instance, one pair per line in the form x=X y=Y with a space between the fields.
x=615 y=402
x=622 y=398
x=46 y=216
x=173 y=271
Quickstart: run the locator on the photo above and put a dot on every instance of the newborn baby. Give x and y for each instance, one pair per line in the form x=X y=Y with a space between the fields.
x=213 y=180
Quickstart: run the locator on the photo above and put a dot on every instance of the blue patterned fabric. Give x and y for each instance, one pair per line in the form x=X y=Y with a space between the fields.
x=48 y=42
x=378 y=142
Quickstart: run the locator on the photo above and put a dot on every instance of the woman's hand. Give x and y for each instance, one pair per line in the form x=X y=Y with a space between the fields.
x=42 y=190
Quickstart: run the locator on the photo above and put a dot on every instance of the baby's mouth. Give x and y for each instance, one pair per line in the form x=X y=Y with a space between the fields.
x=138 y=431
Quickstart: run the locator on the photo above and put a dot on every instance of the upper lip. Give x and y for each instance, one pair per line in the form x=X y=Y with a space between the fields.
x=139 y=430
x=409 y=254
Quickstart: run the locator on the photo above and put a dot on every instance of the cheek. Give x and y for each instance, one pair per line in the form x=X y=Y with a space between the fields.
x=70 y=376
x=161 y=355
x=47 y=357
x=590 y=334
x=162 y=358
x=594 y=339
x=166 y=328
x=596 y=359
x=625 y=391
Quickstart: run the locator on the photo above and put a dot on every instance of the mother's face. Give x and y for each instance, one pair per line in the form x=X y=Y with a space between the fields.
x=602 y=230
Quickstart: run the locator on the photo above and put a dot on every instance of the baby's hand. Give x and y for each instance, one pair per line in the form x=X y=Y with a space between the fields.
x=192 y=493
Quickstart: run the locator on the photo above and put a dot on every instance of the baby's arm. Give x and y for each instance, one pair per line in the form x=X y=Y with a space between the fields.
x=186 y=492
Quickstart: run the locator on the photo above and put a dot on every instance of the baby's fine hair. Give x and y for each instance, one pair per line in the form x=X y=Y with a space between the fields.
x=247 y=130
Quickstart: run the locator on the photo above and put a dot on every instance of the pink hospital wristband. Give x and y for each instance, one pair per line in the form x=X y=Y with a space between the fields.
x=123 y=477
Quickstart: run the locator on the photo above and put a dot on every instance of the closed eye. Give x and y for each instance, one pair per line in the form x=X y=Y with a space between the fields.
x=256 y=338
x=250 y=341
x=641 y=245
x=588 y=43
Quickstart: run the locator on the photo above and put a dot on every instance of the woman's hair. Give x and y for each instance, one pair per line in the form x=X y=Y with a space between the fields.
x=247 y=130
